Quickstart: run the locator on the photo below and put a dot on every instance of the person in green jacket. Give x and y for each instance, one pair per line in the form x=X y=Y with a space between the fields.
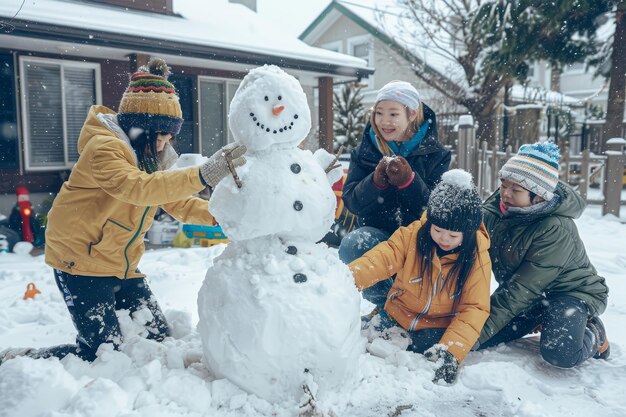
x=546 y=281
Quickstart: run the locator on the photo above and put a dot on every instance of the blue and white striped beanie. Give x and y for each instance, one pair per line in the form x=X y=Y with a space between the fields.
x=536 y=168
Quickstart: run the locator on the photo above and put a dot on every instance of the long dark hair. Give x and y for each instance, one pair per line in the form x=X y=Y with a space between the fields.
x=460 y=270
x=145 y=146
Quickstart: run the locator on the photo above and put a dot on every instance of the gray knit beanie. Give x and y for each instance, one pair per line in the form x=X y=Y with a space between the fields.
x=401 y=92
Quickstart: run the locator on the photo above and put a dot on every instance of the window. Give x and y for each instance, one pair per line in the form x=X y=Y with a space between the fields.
x=577 y=68
x=215 y=97
x=361 y=50
x=55 y=102
x=8 y=115
x=361 y=47
x=333 y=46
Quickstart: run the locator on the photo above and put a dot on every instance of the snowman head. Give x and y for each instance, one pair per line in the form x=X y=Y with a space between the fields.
x=269 y=108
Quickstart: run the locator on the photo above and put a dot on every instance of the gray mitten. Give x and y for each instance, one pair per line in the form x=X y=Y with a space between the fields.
x=216 y=168
x=448 y=368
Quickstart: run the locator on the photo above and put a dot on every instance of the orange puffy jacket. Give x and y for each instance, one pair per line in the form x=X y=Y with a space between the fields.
x=433 y=307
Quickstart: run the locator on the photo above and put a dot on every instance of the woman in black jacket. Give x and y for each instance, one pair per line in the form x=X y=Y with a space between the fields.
x=393 y=170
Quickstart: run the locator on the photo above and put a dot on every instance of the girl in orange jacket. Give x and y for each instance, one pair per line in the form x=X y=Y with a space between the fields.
x=440 y=293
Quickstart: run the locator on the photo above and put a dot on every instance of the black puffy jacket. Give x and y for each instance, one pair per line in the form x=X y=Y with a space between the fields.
x=391 y=208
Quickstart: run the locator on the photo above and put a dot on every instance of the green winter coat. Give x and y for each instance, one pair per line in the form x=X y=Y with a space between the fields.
x=539 y=254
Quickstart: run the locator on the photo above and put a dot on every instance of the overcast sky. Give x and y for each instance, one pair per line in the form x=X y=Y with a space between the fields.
x=292 y=16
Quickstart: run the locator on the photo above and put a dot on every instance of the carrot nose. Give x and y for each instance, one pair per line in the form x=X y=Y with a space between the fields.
x=276 y=110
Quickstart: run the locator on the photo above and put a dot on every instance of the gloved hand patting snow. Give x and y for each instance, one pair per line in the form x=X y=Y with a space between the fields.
x=216 y=168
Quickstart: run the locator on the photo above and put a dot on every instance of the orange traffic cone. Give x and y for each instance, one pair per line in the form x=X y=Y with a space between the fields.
x=31 y=291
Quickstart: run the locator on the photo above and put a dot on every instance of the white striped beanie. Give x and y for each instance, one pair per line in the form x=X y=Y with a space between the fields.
x=536 y=168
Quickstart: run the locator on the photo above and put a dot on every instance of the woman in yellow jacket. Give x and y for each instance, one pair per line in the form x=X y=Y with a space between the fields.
x=440 y=293
x=97 y=223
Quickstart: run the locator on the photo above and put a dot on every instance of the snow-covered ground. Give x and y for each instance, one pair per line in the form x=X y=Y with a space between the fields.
x=169 y=379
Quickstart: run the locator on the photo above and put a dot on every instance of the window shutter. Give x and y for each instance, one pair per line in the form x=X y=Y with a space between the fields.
x=45 y=114
x=80 y=94
x=8 y=115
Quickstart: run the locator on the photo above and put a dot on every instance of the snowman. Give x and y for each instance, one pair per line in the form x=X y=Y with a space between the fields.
x=278 y=312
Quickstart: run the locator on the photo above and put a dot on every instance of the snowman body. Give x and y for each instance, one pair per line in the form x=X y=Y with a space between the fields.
x=295 y=189
x=277 y=309
x=274 y=314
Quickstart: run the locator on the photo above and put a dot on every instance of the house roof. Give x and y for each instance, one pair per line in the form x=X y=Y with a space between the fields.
x=544 y=97
x=235 y=34
x=384 y=20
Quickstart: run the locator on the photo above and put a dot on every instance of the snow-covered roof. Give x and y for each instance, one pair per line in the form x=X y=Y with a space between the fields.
x=541 y=96
x=234 y=28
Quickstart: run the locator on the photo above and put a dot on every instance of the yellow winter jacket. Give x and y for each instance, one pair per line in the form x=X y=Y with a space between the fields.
x=98 y=220
x=415 y=310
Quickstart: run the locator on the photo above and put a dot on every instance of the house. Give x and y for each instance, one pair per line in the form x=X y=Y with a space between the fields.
x=59 y=57
x=375 y=30
x=365 y=30
x=576 y=80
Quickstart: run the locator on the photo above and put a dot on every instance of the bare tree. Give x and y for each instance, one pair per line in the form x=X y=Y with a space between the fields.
x=469 y=50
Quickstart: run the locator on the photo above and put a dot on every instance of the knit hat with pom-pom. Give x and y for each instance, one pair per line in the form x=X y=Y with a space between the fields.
x=150 y=102
x=536 y=168
x=455 y=204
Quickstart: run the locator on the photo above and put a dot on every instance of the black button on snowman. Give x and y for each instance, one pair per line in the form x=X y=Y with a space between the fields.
x=275 y=302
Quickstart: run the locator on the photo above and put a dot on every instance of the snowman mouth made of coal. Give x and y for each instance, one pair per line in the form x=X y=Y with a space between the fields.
x=275 y=130
x=273 y=127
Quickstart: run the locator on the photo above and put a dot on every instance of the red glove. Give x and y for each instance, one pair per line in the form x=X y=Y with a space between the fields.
x=380 y=174
x=399 y=171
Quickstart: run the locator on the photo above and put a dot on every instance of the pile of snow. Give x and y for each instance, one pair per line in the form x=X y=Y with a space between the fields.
x=170 y=378
x=266 y=332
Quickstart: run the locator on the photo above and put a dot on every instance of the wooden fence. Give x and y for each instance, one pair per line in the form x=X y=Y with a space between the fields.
x=579 y=170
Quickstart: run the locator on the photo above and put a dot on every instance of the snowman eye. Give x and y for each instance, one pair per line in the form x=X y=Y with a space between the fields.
x=267 y=98
x=280 y=97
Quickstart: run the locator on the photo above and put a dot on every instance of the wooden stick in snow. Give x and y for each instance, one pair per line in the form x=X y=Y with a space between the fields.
x=334 y=164
x=229 y=161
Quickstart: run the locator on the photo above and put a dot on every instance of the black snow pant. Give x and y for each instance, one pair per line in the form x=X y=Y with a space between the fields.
x=565 y=339
x=92 y=302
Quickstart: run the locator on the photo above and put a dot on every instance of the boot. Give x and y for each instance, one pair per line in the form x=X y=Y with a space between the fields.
x=602 y=342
